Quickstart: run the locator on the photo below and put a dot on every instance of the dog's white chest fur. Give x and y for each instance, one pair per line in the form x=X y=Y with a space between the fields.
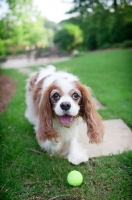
x=67 y=144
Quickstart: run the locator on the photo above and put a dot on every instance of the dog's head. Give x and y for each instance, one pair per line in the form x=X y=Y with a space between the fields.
x=65 y=98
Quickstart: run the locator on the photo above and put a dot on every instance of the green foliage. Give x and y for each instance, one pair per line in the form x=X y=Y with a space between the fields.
x=68 y=37
x=117 y=28
x=15 y=3
x=127 y=43
x=90 y=31
x=24 y=26
x=2 y=48
x=103 y=36
x=100 y=24
x=81 y=7
x=106 y=46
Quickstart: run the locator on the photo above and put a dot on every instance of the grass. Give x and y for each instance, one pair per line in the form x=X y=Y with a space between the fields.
x=28 y=175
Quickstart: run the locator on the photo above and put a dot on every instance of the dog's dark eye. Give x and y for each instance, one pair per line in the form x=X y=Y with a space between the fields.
x=75 y=96
x=56 y=96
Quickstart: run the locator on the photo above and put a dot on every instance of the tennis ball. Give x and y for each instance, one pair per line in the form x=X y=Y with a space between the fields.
x=74 y=178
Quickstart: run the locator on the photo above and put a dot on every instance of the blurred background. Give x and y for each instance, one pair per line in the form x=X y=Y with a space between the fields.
x=45 y=28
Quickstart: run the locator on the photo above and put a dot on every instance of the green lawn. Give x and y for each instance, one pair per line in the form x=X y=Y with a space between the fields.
x=27 y=175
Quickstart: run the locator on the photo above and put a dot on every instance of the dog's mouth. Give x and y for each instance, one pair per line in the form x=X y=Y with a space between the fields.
x=66 y=120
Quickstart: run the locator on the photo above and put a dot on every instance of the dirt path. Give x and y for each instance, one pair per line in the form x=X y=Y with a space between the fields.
x=7 y=89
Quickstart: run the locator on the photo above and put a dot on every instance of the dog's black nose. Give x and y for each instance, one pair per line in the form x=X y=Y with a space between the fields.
x=65 y=106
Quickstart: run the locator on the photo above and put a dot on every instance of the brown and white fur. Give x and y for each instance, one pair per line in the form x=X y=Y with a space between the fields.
x=55 y=103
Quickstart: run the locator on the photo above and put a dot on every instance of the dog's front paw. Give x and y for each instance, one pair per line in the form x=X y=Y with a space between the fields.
x=76 y=159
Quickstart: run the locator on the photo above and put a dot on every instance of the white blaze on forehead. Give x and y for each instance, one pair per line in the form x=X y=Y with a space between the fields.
x=62 y=79
x=65 y=85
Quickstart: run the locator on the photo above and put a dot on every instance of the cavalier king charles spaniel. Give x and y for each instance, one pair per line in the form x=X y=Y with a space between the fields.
x=56 y=101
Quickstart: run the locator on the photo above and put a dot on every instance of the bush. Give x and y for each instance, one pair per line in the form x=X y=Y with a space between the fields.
x=68 y=37
x=127 y=43
x=92 y=43
x=2 y=48
x=2 y=59
x=8 y=51
x=106 y=46
x=20 y=51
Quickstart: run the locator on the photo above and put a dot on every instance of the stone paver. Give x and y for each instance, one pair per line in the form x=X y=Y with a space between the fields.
x=117 y=138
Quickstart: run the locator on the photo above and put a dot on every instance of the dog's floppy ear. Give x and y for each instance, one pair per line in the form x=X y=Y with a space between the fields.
x=31 y=83
x=90 y=115
x=44 y=111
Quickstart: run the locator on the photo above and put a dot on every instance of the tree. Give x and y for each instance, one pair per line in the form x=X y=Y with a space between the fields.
x=13 y=4
x=103 y=37
x=121 y=26
x=68 y=37
x=83 y=7
x=103 y=24
x=22 y=26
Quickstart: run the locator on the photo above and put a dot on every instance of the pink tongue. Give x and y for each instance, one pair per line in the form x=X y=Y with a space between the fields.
x=66 y=120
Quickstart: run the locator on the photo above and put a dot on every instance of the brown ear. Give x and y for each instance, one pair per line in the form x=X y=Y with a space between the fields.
x=91 y=117
x=32 y=82
x=45 y=129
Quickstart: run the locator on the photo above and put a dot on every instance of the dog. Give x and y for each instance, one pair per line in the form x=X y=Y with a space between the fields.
x=56 y=101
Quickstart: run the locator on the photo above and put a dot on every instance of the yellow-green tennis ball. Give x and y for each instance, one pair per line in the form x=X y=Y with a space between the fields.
x=75 y=178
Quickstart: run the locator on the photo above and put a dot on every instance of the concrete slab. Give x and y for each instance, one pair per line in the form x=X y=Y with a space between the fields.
x=117 y=138
x=18 y=63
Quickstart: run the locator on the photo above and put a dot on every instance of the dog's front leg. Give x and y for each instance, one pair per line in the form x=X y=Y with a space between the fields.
x=50 y=147
x=77 y=153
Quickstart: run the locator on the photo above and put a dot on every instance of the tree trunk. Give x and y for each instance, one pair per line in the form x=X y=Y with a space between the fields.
x=115 y=4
